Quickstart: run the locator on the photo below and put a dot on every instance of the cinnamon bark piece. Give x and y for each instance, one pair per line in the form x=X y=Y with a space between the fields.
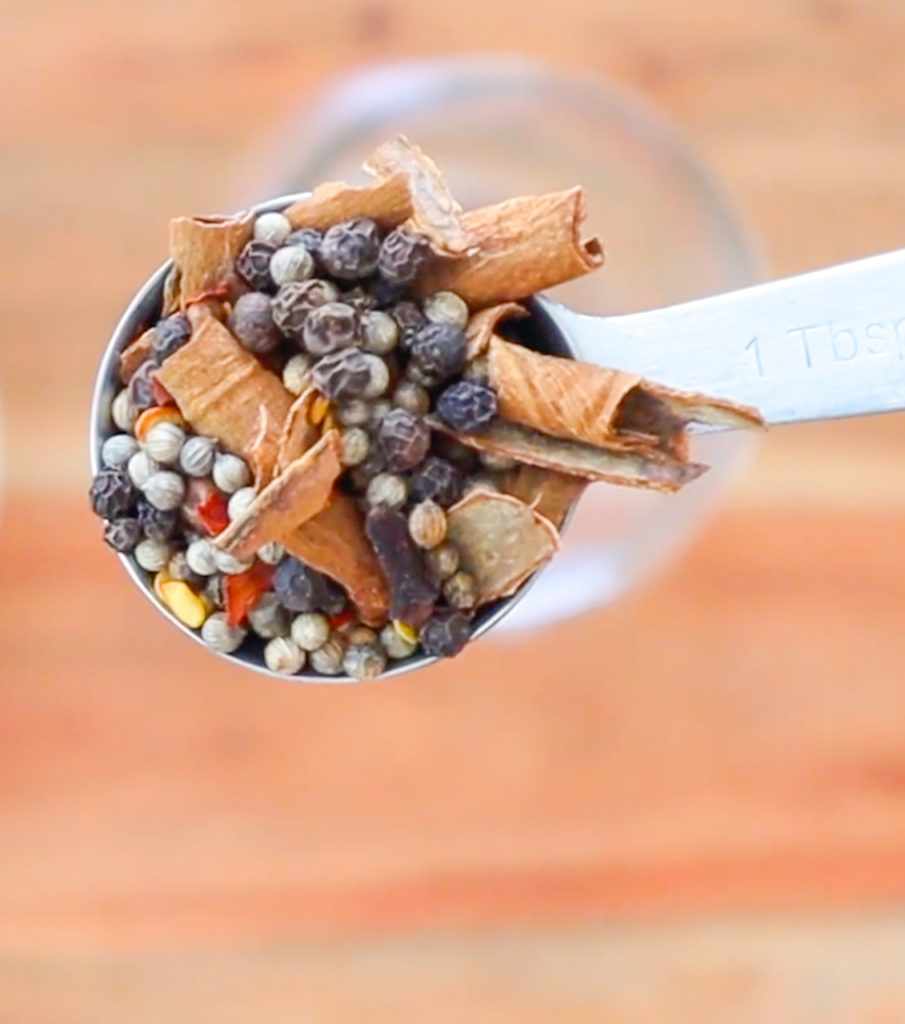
x=600 y=406
x=550 y=493
x=291 y=499
x=640 y=466
x=134 y=354
x=225 y=393
x=520 y=247
x=299 y=433
x=557 y=396
x=435 y=213
x=334 y=543
x=501 y=541
x=483 y=324
x=387 y=202
x=205 y=251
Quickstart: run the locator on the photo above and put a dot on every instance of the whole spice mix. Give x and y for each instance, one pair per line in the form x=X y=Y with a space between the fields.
x=324 y=445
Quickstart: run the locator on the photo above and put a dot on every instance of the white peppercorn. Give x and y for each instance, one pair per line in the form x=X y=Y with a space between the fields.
x=364 y=661
x=291 y=263
x=412 y=397
x=284 y=656
x=239 y=501
x=200 y=557
x=123 y=411
x=379 y=332
x=496 y=462
x=117 y=450
x=427 y=524
x=310 y=630
x=387 y=489
x=164 y=443
x=152 y=555
x=446 y=308
x=477 y=370
x=230 y=472
x=228 y=564
x=197 y=456
x=220 y=636
x=353 y=413
x=140 y=467
x=272 y=227
x=395 y=644
x=442 y=561
x=271 y=553
x=379 y=411
x=267 y=617
x=461 y=590
x=355 y=446
x=164 y=490
x=379 y=377
x=328 y=658
x=295 y=374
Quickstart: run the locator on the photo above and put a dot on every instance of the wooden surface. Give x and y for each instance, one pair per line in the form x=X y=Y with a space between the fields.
x=538 y=832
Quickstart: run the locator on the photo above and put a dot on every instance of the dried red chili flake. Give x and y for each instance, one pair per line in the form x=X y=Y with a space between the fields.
x=205 y=507
x=242 y=589
x=342 y=619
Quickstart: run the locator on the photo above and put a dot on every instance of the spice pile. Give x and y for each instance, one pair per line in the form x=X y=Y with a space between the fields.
x=325 y=442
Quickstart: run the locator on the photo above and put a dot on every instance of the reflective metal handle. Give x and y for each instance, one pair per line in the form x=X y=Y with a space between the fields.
x=820 y=345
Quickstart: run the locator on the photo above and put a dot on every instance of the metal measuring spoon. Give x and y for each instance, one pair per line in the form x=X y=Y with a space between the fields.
x=821 y=345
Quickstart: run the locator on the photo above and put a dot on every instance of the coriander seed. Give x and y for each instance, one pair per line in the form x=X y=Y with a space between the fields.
x=283 y=656
x=152 y=555
x=354 y=446
x=387 y=489
x=291 y=263
x=379 y=332
x=295 y=374
x=197 y=456
x=427 y=524
x=229 y=565
x=164 y=443
x=117 y=450
x=328 y=659
x=267 y=617
x=164 y=489
x=123 y=411
x=446 y=308
x=141 y=467
x=360 y=634
x=239 y=501
x=461 y=590
x=353 y=413
x=230 y=472
x=364 y=661
x=271 y=553
x=412 y=397
x=310 y=630
x=442 y=561
x=395 y=644
x=271 y=227
x=220 y=636
x=199 y=557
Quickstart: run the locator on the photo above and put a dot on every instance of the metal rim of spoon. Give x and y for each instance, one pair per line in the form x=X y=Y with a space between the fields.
x=821 y=345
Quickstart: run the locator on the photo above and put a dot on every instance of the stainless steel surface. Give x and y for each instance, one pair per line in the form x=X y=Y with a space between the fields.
x=821 y=345
x=826 y=344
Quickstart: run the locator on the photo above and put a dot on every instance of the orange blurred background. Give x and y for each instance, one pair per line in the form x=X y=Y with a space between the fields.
x=687 y=807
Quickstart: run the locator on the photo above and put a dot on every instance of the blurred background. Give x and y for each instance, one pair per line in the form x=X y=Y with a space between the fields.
x=686 y=806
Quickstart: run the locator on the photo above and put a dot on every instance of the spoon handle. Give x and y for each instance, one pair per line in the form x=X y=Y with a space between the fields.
x=821 y=345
